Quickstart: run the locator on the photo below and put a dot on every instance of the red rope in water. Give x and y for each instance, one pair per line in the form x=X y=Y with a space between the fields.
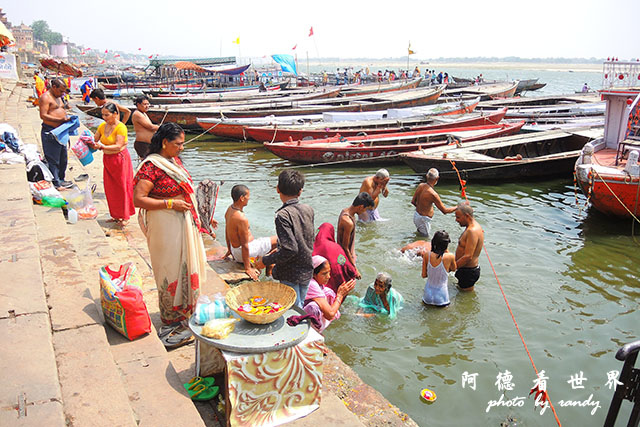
x=545 y=395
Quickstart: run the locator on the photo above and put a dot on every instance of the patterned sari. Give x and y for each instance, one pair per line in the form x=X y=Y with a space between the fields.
x=175 y=245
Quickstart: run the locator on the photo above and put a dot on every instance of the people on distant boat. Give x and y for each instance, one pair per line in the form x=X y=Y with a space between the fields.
x=469 y=247
x=262 y=87
x=337 y=76
x=99 y=98
x=321 y=302
x=374 y=185
x=381 y=298
x=445 y=79
x=436 y=265
x=325 y=78
x=142 y=126
x=241 y=244
x=440 y=77
x=424 y=198
x=346 y=236
x=586 y=88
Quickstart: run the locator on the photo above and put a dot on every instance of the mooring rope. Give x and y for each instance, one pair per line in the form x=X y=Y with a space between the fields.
x=545 y=394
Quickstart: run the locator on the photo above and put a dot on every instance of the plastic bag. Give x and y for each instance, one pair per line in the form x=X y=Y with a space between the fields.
x=44 y=193
x=207 y=309
x=218 y=329
x=81 y=148
x=82 y=202
x=122 y=303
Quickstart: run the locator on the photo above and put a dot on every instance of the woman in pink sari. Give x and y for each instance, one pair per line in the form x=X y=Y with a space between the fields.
x=168 y=216
x=321 y=302
x=341 y=268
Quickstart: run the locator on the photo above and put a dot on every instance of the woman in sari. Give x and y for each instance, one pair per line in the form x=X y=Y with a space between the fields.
x=168 y=216
x=111 y=138
x=322 y=302
x=341 y=268
x=381 y=298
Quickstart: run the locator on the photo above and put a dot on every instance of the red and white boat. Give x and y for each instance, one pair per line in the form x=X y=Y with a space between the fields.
x=607 y=170
x=383 y=148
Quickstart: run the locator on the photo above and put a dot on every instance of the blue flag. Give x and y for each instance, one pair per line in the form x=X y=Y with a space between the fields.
x=287 y=63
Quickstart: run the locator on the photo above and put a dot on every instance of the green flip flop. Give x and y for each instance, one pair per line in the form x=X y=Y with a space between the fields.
x=203 y=393
x=193 y=382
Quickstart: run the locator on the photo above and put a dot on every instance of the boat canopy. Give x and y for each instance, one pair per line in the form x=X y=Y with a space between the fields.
x=287 y=62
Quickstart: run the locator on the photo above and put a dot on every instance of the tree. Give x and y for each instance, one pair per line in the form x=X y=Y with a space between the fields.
x=42 y=32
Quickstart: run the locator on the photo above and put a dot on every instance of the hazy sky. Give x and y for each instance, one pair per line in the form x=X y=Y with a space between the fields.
x=345 y=29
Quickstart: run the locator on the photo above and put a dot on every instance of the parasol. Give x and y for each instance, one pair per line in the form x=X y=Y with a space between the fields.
x=190 y=66
x=5 y=36
x=60 y=66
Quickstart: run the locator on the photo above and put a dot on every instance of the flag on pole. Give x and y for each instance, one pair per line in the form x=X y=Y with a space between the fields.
x=411 y=52
x=294 y=48
x=106 y=51
x=310 y=31
x=150 y=56
x=236 y=41
x=139 y=48
x=117 y=55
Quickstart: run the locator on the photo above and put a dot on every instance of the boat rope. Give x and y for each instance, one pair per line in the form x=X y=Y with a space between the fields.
x=166 y=111
x=544 y=393
x=618 y=198
x=275 y=131
x=202 y=133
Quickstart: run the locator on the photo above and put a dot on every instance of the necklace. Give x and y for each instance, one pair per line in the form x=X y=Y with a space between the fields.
x=236 y=209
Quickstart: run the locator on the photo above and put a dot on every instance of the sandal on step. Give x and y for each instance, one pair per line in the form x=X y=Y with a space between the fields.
x=167 y=329
x=177 y=338
x=193 y=382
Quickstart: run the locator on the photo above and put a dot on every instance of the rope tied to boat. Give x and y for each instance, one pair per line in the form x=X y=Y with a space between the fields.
x=615 y=195
x=544 y=396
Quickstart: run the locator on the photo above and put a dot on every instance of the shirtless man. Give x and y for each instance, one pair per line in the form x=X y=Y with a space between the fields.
x=142 y=126
x=347 y=226
x=53 y=115
x=374 y=185
x=240 y=242
x=98 y=96
x=423 y=199
x=469 y=247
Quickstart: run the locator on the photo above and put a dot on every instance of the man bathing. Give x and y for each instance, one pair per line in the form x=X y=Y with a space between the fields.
x=100 y=99
x=347 y=226
x=423 y=199
x=469 y=247
x=142 y=126
x=374 y=185
x=240 y=242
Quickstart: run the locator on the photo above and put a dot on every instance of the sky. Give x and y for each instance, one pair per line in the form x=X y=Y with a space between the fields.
x=344 y=29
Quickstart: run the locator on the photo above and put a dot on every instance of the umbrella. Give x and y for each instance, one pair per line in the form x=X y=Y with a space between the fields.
x=5 y=36
x=186 y=65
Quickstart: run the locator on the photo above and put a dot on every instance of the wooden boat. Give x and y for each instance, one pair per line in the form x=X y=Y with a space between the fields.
x=383 y=148
x=187 y=118
x=563 y=124
x=253 y=95
x=571 y=110
x=523 y=156
x=324 y=129
x=607 y=170
x=314 y=126
x=488 y=91
x=59 y=66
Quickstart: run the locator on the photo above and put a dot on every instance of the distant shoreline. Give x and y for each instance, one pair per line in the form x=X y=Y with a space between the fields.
x=498 y=65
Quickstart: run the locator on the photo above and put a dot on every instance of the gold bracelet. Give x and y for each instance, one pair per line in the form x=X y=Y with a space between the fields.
x=170 y=204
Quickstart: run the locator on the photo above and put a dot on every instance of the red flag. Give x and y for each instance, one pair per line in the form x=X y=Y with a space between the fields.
x=116 y=55
x=88 y=48
x=106 y=51
x=294 y=48
x=102 y=62
x=150 y=56
x=83 y=53
x=139 y=48
x=311 y=32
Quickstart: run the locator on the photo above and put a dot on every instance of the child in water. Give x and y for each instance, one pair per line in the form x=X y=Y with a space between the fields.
x=436 y=264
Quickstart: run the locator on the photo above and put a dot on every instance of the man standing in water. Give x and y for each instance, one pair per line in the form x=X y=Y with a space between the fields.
x=142 y=126
x=240 y=242
x=53 y=115
x=423 y=199
x=469 y=247
x=347 y=226
x=374 y=185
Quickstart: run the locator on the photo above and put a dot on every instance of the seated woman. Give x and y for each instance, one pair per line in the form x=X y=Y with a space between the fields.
x=381 y=298
x=341 y=268
x=436 y=264
x=321 y=302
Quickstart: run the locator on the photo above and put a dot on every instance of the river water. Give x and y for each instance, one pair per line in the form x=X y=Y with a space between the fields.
x=570 y=276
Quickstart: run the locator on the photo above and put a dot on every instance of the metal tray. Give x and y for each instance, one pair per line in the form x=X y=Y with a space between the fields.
x=248 y=337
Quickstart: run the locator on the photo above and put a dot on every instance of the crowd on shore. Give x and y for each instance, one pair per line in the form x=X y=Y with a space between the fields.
x=321 y=267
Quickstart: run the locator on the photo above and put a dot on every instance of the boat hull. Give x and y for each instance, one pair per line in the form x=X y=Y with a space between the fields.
x=600 y=189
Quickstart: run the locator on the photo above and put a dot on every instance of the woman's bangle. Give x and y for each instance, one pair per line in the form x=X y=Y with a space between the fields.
x=169 y=203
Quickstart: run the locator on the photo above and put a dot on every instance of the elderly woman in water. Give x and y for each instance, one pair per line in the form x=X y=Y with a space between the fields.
x=381 y=298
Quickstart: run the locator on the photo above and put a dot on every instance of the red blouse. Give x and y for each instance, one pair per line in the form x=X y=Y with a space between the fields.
x=163 y=185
